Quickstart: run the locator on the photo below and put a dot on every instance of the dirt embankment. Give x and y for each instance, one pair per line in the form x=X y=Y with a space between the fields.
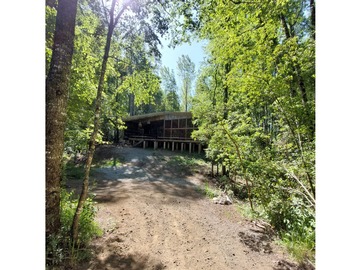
x=155 y=217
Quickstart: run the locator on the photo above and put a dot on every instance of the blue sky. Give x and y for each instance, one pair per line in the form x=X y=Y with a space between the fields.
x=170 y=56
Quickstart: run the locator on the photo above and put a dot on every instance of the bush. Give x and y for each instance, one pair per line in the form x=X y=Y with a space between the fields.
x=295 y=222
x=58 y=247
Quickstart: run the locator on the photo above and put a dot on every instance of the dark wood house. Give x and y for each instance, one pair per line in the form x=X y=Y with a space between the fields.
x=169 y=130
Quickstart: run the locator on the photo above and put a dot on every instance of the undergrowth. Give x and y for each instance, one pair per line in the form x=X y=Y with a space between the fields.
x=187 y=161
x=106 y=162
x=292 y=219
x=209 y=191
x=59 y=249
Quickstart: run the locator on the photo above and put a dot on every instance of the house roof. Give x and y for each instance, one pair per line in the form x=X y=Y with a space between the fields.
x=158 y=116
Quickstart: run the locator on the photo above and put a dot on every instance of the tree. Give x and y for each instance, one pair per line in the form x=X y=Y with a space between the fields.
x=186 y=71
x=90 y=38
x=260 y=85
x=113 y=20
x=145 y=87
x=170 y=89
x=57 y=88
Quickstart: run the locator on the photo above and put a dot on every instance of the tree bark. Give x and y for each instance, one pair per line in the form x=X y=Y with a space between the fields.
x=97 y=111
x=92 y=142
x=186 y=96
x=57 y=88
x=312 y=18
x=131 y=104
x=296 y=67
x=240 y=160
x=51 y=3
x=226 y=91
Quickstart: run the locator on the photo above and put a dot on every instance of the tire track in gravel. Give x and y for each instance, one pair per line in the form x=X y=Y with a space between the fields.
x=157 y=219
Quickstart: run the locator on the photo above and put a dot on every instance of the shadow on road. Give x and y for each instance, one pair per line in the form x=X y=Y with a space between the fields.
x=118 y=261
x=142 y=168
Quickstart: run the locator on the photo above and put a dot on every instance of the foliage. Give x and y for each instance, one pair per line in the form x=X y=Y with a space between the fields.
x=50 y=18
x=255 y=105
x=143 y=85
x=186 y=71
x=187 y=162
x=73 y=171
x=59 y=249
x=89 y=41
x=209 y=191
x=131 y=70
x=170 y=88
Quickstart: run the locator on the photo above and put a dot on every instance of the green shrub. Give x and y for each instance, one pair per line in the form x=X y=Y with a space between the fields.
x=210 y=192
x=59 y=248
x=295 y=222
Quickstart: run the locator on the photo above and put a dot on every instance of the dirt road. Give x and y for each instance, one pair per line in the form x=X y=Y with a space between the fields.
x=155 y=217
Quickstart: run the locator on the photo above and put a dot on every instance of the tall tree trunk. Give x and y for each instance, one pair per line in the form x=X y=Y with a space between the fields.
x=57 y=88
x=226 y=92
x=301 y=85
x=285 y=26
x=131 y=104
x=97 y=112
x=92 y=142
x=186 y=96
x=312 y=17
x=296 y=67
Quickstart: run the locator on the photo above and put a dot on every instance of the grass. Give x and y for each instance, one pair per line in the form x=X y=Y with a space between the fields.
x=188 y=162
x=299 y=250
x=74 y=171
x=59 y=249
x=210 y=192
x=245 y=210
x=108 y=162
x=300 y=247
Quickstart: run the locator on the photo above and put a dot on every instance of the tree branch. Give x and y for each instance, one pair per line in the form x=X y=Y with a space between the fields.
x=105 y=12
x=239 y=157
x=301 y=184
x=120 y=13
x=299 y=192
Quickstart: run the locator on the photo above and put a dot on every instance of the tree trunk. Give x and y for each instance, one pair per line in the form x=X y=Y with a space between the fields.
x=131 y=104
x=92 y=142
x=296 y=67
x=301 y=86
x=312 y=18
x=57 y=88
x=226 y=92
x=240 y=160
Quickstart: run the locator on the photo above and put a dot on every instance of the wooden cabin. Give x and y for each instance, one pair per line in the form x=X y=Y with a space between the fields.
x=168 y=130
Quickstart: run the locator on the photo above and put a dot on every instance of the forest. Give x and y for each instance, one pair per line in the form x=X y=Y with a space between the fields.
x=252 y=101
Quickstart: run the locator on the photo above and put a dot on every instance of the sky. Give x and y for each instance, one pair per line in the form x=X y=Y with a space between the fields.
x=170 y=56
